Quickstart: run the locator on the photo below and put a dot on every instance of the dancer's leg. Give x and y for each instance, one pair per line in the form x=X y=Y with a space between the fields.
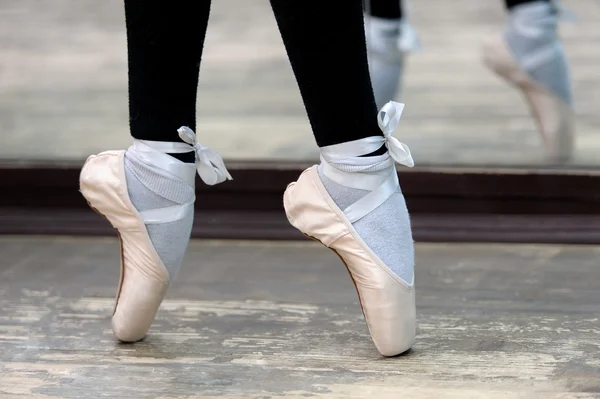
x=164 y=44
x=389 y=39
x=384 y=9
x=538 y=40
x=513 y=3
x=147 y=192
x=352 y=202
x=328 y=57
x=530 y=44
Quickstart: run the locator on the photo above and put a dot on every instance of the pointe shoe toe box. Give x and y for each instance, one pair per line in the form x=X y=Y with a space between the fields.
x=144 y=278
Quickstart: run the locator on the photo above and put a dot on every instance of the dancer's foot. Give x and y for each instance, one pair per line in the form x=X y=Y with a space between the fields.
x=148 y=197
x=530 y=56
x=353 y=204
x=388 y=41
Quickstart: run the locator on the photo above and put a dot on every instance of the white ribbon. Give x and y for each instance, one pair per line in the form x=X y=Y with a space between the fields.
x=388 y=119
x=209 y=163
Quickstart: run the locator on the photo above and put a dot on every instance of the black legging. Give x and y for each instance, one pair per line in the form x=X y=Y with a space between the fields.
x=325 y=45
x=392 y=9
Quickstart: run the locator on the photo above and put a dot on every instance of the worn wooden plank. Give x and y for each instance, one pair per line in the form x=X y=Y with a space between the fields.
x=63 y=76
x=280 y=320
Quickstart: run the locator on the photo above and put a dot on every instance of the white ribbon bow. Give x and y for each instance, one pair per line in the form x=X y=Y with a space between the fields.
x=388 y=119
x=209 y=163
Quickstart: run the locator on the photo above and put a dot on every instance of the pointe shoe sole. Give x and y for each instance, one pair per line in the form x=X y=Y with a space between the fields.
x=554 y=117
x=144 y=279
x=387 y=302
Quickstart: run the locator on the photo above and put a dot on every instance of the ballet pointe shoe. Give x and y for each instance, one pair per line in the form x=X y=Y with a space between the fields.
x=144 y=279
x=387 y=302
x=554 y=118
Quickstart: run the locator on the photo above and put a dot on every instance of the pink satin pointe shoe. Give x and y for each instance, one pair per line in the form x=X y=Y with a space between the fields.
x=387 y=301
x=555 y=118
x=144 y=278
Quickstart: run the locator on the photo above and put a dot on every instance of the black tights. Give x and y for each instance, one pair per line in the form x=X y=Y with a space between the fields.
x=392 y=9
x=325 y=45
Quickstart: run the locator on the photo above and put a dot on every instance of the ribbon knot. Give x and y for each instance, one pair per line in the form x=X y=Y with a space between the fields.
x=209 y=163
x=388 y=119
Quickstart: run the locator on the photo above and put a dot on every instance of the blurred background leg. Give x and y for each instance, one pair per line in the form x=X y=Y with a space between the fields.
x=389 y=39
x=530 y=56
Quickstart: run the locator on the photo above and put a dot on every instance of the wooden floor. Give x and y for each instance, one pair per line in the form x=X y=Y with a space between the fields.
x=281 y=320
x=63 y=85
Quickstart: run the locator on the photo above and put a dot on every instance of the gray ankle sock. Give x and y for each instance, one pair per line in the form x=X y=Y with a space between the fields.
x=149 y=189
x=386 y=230
x=532 y=35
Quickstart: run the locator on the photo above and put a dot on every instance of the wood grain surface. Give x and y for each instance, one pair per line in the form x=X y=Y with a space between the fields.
x=281 y=320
